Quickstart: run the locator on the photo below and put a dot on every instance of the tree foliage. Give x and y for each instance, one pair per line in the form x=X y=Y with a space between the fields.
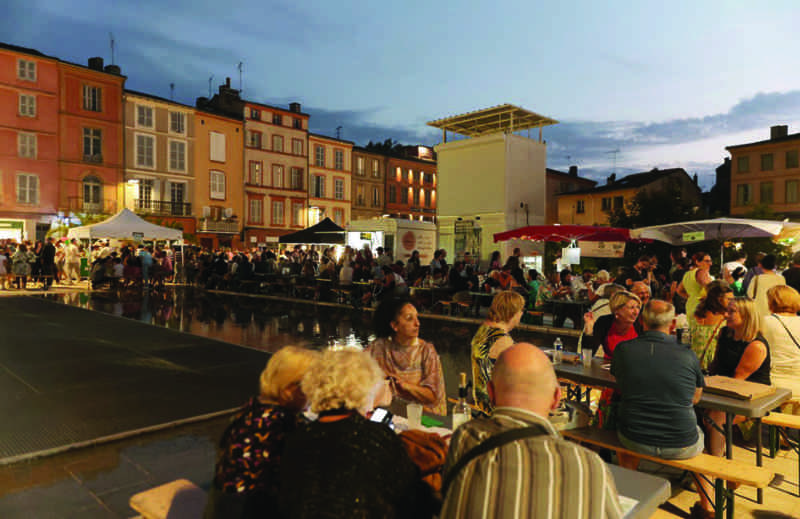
x=387 y=147
x=654 y=207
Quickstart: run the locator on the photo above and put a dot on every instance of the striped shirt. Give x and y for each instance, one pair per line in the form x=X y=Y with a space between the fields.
x=537 y=477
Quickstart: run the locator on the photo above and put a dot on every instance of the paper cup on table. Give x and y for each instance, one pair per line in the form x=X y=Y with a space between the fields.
x=586 y=358
x=414 y=415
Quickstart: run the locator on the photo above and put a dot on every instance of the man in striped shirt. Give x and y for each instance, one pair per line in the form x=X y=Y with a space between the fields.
x=539 y=476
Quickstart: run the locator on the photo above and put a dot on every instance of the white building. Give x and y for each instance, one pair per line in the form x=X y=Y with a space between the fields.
x=490 y=180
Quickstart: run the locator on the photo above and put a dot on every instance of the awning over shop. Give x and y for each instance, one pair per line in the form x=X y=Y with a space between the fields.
x=559 y=233
x=125 y=225
x=325 y=232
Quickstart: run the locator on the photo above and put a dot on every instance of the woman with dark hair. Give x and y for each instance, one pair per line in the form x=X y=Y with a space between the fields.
x=694 y=282
x=412 y=366
x=494 y=261
x=413 y=267
x=758 y=287
x=709 y=319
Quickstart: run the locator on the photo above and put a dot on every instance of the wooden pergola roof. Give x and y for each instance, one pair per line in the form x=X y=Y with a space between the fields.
x=497 y=119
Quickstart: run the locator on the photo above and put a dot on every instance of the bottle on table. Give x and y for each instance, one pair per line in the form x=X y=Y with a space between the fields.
x=461 y=410
x=686 y=334
x=558 y=351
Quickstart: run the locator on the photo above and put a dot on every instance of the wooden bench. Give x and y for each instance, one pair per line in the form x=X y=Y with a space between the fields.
x=179 y=499
x=720 y=469
x=780 y=423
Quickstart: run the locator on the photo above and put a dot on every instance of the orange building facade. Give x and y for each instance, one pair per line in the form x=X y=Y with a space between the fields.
x=90 y=158
x=218 y=179
x=369 y=184
x=411 y=188
x=29 y=90
x=329 y=179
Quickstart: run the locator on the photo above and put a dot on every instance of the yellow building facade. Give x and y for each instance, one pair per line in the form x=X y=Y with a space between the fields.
x=329 y=179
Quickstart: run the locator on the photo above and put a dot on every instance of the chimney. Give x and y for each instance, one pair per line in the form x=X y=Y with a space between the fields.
x=778 y=131
x=113 y=69
x=228 y=82
x=573 y=171
x=96 y=63
x=294 y=107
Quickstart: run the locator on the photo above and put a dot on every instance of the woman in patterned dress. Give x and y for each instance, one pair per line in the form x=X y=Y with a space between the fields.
x=491 y=339
x=709 y=319
x=412 y=366
x=246 y=477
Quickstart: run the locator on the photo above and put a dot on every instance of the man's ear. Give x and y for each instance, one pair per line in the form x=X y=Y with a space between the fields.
x=492 y=394
x=556 y=397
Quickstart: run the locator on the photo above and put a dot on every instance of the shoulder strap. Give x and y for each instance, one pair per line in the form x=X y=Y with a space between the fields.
x=711 y=338
x=491 y=443
x=787 y=330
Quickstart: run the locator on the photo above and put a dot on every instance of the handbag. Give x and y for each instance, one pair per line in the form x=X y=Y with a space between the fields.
x=428 y=452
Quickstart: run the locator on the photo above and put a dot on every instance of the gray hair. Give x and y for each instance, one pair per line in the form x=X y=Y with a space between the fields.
x=658 y=314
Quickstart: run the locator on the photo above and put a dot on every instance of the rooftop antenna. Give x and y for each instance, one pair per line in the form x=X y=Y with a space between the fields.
x=614 y=151
x=111 y=37
x=209 y=85
x=172 y=91
x=239 y=66
x=338 y=132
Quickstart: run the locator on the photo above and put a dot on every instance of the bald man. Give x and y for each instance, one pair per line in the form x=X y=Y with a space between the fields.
x=538 y=475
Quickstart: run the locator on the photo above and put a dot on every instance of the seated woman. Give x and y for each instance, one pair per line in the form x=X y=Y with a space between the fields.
x=709 y=319
x=742 y=353
x=343 y=465
x=782 y=332
x=412 y=367
x=246 y=475
x=622 y=324
x=491 y=339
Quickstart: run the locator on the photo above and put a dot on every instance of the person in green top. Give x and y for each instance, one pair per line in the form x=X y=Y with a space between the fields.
x=534 y=282
x=709 y=319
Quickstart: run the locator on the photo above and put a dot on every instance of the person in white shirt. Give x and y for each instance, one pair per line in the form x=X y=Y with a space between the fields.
x=72 y=262
x=757 y=289
x=781 y=329
x=346 y=273
x=730 y=267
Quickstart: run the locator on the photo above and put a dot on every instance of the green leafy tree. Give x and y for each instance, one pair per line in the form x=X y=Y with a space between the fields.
x=85 y=219
x=651 y=207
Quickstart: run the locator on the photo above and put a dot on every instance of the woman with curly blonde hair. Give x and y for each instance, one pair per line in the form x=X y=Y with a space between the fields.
x=344 y=465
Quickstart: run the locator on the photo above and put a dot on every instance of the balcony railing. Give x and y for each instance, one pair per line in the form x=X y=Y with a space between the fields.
x=162 y=207
x=77 y=204
x=218 y=226
x=96 y=158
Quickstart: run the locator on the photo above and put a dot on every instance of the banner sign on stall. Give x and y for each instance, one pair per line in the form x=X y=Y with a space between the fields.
x=137 y=236
x=694 y=236
x=602 y=249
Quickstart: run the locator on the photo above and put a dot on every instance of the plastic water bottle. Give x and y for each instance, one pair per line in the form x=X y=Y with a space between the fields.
x=461 y=411
x=686 y=335
x=558 y=351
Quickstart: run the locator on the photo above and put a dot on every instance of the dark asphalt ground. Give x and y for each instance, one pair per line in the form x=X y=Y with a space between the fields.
x=69 y=376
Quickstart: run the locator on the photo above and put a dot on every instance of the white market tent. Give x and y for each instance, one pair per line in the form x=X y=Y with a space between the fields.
x=125 y=225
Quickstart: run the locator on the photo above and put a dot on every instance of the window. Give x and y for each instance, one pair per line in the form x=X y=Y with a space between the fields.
x=297 y=147
x=26 y=145
x=177 y=122
x=91 y=192
x=145 y=151
x=376 y=197
x=144 y=116
x=177 y=155
x=766 y=192
x=319 y=186
x=338 y=216
x=417 y=176
x=27 y=188
x=277 y=119
x=416 y=197
x=297 y=178
x=360 y=166
x=277 y=212
x=338 y=189
x=410 y=176
x=376 y=172
x=744 y=194
x=177 y=194
x=338 y=159
x=399 y=174
x=427 y=198
x=618 y=202
x=403 y=195
x=256 y=214
x=360 y=194
x=580 y=207
x=766 y=162
x=26 y=70
x=92 y=98
x=216 y=185
x=92 y=145
x=319 y=156
x=606 y=204
x=217 y=146
x=253 y=139
x=392 y=194
x=791 y=159
x=27 y=105
x=428 y=178
x=297 y=123
x=743 y=164
x=255 y=114
x=145 y=193
x=297 y=213
x=791 y=191
x=255 y=173
x=277 y=176
x=277 y=143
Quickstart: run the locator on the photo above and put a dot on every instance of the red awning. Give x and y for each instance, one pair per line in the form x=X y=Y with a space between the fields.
x=557 y=233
